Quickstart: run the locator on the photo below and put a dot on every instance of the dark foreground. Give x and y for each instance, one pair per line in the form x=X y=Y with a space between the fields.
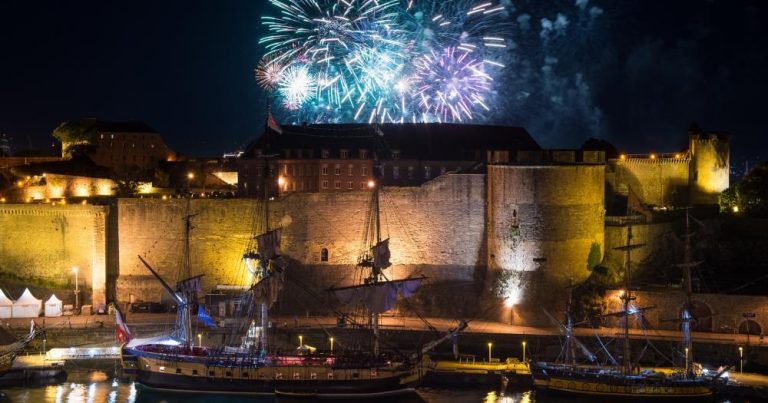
x=97 y=386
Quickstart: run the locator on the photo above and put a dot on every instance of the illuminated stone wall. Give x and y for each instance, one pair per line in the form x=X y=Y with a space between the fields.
x=717 y=312
x=658 y=181
x=710 y=170
x=552 y=212
x=436 y=230
x=39 y=245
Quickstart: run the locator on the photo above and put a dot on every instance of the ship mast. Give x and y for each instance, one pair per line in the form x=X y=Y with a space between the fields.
x=627 y=297
x=686 y=319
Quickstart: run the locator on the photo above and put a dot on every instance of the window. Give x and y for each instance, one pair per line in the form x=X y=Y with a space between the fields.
x=362 y=185
x=325 y=169
x=178 y=370
x=325 y=184
x=293 y=170
x=337 y=184
x=102 y=135
x=324 y=255
x=229 y=373
x=245 y=374
x=395 y=172
x=350 y=185
x=351 y=170
x=395 y=154
x=293 y=186
x=337 y=169
x=344 y=154
x=210 y=373
x=427 y=171
x=364 y=170
x=194 y=372
x=410 y=172
x=324 y=153
x=363 y=154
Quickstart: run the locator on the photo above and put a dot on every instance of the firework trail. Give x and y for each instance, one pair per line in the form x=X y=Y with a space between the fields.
x=385 y=61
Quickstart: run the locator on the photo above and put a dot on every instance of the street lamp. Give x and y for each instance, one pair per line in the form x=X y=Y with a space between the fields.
x=490 y=349
x=199 y=340
x=524 y=350
x=301 y=340
x=77 y=288
x=741 y=359
x=686 y=362
x=331 y=340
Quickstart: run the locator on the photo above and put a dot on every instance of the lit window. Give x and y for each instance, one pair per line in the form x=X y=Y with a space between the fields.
x=351 y=169
x=344 y=154
x=337 y=169
x=427 y=172
x=325 y=169
x=325 y=184
x=337 y=184
x=395 y=154
x=350 y=185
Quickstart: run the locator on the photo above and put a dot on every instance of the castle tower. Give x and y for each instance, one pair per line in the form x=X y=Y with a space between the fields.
x=709 y=170
x=545 y=226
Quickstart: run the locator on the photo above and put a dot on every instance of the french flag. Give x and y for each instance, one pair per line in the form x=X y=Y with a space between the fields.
x=123 y=334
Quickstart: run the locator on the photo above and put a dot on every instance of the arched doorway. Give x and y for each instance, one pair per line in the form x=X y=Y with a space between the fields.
x=750 y=326
x=702 y=315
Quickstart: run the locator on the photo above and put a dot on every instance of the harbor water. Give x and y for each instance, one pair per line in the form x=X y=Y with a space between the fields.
x=88 y=386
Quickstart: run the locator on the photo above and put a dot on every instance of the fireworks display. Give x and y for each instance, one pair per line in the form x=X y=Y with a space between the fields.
x=392 y=61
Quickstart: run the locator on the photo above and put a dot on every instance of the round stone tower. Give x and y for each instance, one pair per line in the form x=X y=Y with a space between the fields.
x=710 y=165
x=545 y=231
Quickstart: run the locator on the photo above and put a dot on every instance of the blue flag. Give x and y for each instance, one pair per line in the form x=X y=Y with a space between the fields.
x=204 y=318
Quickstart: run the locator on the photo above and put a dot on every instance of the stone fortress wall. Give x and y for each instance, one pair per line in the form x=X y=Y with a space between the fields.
x=545 y=227
x=40 y=244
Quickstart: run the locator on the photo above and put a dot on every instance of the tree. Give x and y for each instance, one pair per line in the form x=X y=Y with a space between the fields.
x=753 y=191
x=77 y=138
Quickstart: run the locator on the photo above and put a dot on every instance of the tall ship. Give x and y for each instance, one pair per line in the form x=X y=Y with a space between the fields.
x=249 y=362
x=624 y=378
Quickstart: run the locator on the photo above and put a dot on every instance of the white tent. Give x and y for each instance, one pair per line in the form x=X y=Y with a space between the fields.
x=6 y=305
x=53 y=307
x=27 y=306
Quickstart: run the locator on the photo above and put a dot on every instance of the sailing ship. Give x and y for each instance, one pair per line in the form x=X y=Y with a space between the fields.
x=8 y=352
x=248 y=364
x=626 y=379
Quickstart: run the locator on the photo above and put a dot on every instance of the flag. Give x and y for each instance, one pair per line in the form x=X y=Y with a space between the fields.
x=122 y=332
x=272 y=123
x=204 y=318
x=634 y=204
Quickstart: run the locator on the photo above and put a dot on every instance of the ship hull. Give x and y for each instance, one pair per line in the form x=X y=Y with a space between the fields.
x=590 y=383
x=208 y=375
x=300 y=387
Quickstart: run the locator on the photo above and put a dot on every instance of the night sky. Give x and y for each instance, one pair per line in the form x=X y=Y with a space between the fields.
x=186 y=69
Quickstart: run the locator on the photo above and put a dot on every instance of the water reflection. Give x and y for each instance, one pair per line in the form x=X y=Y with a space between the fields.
x=97 y=387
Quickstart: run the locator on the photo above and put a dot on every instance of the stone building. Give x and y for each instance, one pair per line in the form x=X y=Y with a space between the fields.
x=126 y=146
x=340 y=158
x=694 y=176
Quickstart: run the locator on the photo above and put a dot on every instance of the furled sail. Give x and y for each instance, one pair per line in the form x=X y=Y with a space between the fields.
x=269 y=244
x=190 y=286
x=381 y=254
x=268 y=289
x=378 y=297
